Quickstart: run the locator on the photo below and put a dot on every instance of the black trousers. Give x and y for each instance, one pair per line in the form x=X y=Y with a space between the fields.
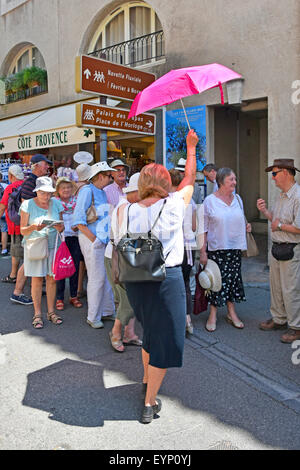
x=186 y=272
x=73 y=245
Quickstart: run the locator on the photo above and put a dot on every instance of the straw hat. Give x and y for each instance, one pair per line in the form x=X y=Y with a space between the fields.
x=118 y=162
x=83 y=172
x=83 y=157
x=64 y=179
x=44 y=184
x=210 y=278
x=181 y=164
x=133 y=184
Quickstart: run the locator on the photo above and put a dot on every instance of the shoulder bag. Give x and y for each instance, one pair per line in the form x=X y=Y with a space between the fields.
x=141 y=259
x=37 y=247
x=91 y=214
x=252 y=249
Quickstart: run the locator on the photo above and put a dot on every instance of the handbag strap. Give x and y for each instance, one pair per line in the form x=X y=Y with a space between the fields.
x=149 y=232
x=240 y=204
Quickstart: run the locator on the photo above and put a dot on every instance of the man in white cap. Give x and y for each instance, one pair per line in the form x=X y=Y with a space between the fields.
x=94 y=234
x=16 y=179
x=115 y=190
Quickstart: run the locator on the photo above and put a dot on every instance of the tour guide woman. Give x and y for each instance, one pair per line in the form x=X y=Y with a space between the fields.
x=33 y=211
x=161 y=306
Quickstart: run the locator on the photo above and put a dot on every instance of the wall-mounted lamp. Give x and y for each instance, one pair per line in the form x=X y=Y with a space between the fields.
x=235 y=91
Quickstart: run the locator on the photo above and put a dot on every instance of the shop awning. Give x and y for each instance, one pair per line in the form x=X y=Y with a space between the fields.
x=52 y=127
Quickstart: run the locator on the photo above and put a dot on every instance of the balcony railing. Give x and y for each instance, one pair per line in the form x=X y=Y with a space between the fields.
x=143 y=50
x=24 y=94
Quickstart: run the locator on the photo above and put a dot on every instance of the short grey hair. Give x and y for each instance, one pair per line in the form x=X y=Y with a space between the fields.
x=222 y=173
x=35 y=165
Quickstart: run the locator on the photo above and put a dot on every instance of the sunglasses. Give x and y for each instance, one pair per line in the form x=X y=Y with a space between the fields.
x=274 y=173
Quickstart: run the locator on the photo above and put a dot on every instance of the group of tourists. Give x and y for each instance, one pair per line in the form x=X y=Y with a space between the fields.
x=98 y=210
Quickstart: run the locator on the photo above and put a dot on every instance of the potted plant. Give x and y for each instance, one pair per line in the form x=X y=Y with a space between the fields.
x=34 y=76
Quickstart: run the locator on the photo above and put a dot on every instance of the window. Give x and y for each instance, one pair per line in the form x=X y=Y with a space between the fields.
x=27 y=57
x=130 y=35
x=27 y=75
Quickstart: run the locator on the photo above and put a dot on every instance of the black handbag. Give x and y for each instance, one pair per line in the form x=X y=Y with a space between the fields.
x=283 y=251
x=140 y=258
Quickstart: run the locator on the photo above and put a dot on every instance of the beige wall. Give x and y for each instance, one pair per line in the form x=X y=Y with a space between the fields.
x=259 y=39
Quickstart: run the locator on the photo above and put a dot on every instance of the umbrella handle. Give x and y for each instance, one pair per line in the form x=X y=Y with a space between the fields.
x=222 y=93
x=185 y=114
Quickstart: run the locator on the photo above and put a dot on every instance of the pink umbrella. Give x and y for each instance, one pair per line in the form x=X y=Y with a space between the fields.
x=177 y=84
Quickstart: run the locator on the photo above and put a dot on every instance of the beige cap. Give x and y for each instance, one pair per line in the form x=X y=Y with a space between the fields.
x=83 y=172
x=16 y=171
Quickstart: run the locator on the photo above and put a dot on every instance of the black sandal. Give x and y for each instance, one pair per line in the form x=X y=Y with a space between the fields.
x=9 y=280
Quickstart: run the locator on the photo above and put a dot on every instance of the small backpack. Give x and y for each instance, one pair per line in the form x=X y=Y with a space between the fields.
x=14 y=204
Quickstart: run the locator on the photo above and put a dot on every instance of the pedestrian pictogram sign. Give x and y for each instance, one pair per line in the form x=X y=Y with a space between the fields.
x=100 y=77
x=108 y=118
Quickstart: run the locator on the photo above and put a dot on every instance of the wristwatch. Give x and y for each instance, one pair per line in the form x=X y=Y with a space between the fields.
x=279 y=226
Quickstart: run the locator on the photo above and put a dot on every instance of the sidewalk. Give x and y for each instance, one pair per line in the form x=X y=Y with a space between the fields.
x=255 y=270
x=65 y=388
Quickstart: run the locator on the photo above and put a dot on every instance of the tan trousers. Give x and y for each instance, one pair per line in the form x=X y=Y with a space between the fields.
x=124 y=310
x=285 y=290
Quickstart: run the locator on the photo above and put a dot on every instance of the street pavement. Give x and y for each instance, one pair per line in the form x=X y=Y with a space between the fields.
x=65 y=388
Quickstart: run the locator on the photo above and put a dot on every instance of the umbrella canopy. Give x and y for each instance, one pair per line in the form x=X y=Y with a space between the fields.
x=180 y=83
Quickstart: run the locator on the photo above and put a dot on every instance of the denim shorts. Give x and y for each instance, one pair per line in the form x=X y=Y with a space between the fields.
x=3 y=225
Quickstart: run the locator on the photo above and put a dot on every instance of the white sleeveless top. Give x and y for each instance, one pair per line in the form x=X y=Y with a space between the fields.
x=168 y=229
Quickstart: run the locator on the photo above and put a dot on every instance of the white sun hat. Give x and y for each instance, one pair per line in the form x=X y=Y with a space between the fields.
x=98 y=168
x=44 y=183
x=133 y=184
x=83 y=172
x=210 y=278
x=181 y=164
x=83 y=157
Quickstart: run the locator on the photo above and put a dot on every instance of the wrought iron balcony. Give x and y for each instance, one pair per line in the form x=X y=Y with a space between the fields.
x=27 y=93
x=143 y=50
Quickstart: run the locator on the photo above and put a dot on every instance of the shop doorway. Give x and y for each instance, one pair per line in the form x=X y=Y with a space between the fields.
x=241 y=143
x=135 y=150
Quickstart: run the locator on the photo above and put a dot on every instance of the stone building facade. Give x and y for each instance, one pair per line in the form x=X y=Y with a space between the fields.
x=259 y=39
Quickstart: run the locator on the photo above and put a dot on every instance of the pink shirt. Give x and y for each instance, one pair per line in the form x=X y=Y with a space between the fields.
x=113 y=193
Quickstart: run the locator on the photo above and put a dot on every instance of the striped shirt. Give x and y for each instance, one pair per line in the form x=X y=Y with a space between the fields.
x=28 y=187
x=287 y=210
x=114 y=193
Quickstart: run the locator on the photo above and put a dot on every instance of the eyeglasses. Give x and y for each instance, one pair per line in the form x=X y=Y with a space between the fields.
x=274 y=173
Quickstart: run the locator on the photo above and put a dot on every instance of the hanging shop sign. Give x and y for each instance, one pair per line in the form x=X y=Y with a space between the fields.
x=100 y=77
x=107 y=118
x=47 y=139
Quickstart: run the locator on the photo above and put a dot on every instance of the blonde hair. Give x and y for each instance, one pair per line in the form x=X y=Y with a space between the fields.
x=154 y=180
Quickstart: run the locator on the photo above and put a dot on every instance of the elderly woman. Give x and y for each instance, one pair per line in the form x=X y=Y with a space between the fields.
x=224 y=241
x=64 y=191
x=91 y=216
x=160 y=306
x=39 y=265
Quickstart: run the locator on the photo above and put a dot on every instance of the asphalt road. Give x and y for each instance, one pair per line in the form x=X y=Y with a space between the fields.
x=65 y=388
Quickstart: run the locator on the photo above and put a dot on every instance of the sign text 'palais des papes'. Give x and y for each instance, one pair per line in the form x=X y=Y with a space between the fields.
x=108 y=118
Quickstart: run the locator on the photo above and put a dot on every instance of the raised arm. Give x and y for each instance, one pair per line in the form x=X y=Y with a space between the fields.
x=186 y=187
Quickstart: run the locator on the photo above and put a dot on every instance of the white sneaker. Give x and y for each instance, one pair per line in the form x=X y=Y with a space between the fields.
x=96 y=324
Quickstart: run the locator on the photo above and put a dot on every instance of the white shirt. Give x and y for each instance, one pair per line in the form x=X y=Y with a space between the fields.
x=168 y=229
x=188 y=233
x=225 y=225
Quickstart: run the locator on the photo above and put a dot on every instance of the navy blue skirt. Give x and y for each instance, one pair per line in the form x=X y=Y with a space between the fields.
x=160 y=307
